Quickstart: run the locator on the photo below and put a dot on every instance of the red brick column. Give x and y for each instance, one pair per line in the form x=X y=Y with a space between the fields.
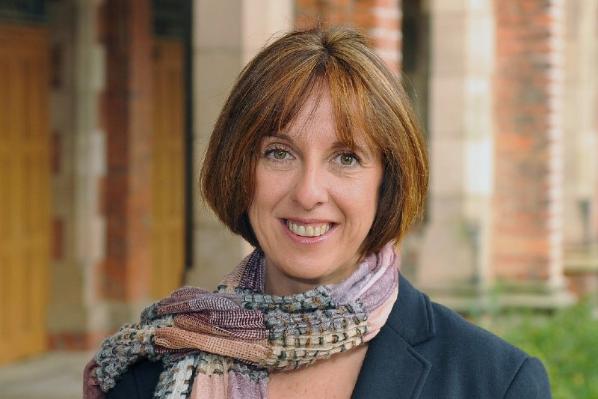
x=526 y=232
x=380 y=19
x=125 y=31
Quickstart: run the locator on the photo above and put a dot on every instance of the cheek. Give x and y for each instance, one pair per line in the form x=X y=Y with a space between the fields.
x=360 y=203
x=268 y=191
x=364 y=200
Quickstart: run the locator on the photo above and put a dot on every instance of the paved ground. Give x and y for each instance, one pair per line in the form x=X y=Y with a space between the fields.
x=56 y=375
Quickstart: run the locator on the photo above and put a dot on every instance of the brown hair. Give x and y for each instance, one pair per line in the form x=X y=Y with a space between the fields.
x=365 y=96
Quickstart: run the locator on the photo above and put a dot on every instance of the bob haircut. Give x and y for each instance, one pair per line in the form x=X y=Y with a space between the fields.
x=366 y=99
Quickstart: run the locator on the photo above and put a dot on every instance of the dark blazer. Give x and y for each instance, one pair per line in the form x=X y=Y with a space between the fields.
x=424 y=351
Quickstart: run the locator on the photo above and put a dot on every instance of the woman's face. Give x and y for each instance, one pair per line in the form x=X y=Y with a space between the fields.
x=314 y=202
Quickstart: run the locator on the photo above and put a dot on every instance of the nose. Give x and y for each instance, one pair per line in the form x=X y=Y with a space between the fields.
x=310 y=188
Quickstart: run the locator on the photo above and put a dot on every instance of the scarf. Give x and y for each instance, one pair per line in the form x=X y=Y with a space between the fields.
x=224 y=344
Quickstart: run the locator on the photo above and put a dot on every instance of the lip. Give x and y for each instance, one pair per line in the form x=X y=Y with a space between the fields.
x=308 y=240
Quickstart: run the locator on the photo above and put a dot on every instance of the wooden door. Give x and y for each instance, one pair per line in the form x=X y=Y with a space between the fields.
x=24 y=190
x=168 y=167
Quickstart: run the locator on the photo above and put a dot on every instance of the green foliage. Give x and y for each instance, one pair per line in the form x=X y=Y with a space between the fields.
x=566 y=342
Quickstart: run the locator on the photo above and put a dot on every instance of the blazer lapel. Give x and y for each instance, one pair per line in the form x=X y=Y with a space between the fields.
x=392 y=367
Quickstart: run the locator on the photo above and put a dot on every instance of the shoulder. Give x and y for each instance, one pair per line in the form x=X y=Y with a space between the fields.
x=465 y=352
x=469 y=340
x=465 y=360
x=139 y=382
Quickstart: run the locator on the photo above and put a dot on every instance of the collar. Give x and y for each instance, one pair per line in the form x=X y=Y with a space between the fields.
x=393 y=368
x=411 y=316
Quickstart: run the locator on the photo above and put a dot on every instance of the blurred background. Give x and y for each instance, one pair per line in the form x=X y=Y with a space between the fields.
x=106 y=107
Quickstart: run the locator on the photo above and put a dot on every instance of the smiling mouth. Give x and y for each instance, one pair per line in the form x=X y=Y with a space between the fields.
x=308 y=230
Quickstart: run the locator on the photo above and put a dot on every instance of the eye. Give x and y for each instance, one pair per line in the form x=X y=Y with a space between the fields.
x=277 y=154
x=347 y=159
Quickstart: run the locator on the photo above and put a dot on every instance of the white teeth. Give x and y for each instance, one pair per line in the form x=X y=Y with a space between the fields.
x=308 y=231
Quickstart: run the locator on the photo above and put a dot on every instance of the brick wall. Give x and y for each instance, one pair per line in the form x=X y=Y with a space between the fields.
x=380 y=19
x=125 y=31
x=525 y=231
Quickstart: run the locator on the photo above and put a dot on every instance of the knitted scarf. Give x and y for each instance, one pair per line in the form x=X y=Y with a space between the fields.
x=224 y=344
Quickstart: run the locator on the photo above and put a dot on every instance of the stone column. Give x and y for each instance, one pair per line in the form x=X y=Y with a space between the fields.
x=592 y=70
x=79 y=167
x=446 y=266
x=67 y=321
x=580 y=127
x=479 y=138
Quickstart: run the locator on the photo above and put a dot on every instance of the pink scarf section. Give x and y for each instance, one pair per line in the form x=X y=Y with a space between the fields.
x=230 y=340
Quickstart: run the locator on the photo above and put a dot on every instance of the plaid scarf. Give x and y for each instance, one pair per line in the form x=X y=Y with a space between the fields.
x=224 y=344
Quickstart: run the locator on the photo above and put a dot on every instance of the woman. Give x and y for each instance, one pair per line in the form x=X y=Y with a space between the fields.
x=317 y=161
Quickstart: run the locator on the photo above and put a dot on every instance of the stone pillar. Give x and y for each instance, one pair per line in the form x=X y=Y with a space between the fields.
x=592 y=70
x=478 y=140
x=580 y=127
x=66 y=308
x=226 y=34
x=379 y=19
x=79 y=166
x=447 y=258
x=527 y=202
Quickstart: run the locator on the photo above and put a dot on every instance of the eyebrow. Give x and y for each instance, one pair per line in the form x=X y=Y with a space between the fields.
x=362 y=150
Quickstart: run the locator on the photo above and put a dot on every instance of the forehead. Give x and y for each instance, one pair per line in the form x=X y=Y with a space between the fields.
x=320 y=117
x=315 y=113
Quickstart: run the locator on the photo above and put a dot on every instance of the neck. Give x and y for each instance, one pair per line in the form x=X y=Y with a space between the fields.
x=279 y=283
